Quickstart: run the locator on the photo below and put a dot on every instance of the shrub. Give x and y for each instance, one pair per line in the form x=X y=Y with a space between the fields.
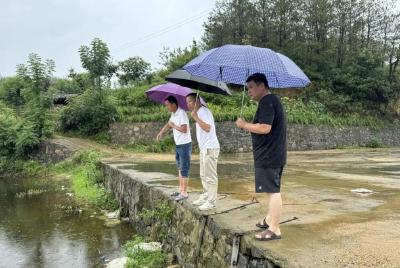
x=374 y=143
x=17 y=136
x=11 y=91
x=89 y=113
x=68 y=86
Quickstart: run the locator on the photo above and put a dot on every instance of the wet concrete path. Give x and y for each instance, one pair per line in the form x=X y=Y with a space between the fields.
x=334 y=228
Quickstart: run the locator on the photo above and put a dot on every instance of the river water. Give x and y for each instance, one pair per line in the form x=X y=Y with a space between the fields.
x=41 y=225
x=44 y=228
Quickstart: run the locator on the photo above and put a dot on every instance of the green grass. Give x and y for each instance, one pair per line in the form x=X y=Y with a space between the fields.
x=160 y=216
x=87 y=179
x=21 y=168
x=134 y=106
x=138 y=258
x=315 y=113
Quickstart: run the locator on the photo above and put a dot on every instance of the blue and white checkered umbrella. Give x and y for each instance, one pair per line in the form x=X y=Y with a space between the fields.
x=234 y=63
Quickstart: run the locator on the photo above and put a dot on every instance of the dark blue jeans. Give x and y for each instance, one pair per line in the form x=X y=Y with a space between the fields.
x=182 y=157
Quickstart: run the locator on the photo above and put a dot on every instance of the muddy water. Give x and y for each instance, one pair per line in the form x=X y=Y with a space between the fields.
x=41 y=226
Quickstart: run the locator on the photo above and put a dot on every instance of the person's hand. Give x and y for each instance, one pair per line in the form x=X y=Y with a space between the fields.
x=171 y=124
x=194 y=114
x=159 y=136
x=240 y=123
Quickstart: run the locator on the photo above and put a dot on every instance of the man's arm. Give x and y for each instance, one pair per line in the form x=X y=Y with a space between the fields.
x=204 y=126
x=162 y=131
x=253 y=128
x=266 y=114
x=182 y=128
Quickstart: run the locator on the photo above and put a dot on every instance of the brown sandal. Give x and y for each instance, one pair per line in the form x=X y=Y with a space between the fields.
x=267 y=235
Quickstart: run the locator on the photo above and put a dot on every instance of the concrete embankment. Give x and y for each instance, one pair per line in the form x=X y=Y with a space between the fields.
x=334 y=226
x=197 y=239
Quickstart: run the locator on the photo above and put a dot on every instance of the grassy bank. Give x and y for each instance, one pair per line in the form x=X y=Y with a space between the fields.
x=138 y=258
x=17 y=168
x=87 y=179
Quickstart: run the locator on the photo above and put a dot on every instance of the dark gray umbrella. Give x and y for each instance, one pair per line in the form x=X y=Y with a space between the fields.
x=185 y=79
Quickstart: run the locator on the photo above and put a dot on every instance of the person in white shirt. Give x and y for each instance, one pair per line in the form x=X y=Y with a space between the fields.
x=209 y=151
x=179 y=122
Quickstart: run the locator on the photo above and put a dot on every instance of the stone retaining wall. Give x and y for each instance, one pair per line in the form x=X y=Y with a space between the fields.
x=196 y=240
x=54 y=151
x=300 y=137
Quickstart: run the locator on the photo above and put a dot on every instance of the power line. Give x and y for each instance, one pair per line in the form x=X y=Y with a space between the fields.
x=163 y=31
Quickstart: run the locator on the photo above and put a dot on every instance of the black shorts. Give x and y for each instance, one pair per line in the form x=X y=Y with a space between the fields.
x=268 y=180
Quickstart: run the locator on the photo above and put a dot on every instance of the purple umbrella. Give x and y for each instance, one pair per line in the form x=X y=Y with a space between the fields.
x=161 y=92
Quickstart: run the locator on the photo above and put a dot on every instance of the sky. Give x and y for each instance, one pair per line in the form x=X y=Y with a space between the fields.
x=55 y=29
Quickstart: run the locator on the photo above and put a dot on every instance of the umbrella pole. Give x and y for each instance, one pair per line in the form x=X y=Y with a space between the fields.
x=241 y=109
x=244 y=89
x=197 y=98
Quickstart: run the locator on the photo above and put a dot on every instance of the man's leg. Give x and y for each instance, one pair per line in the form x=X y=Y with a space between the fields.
x=178 y=166
x=274 y=203
x=203 y=156
x=274 y=212
x=185 y=167
x=180 y=182
x=203 y=196
x=273 y=217
x=185 y=183
x=211 y=176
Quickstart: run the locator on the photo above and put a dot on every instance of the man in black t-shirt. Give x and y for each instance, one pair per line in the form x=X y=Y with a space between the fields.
x=268 y=133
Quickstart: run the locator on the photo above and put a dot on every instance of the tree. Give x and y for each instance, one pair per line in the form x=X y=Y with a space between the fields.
x=96 y=60
x=336 y=42
x=94 y=110
x=391 y=38
x=177 y=58
x=229 y=23
x=132 y=70
x=37 y=75
x=81 y=80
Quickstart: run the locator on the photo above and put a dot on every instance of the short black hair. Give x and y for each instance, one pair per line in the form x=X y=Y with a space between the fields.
x=172 y=99
x=258 y=78
x=192 y=95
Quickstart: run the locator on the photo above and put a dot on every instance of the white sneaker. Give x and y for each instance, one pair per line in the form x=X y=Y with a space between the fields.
x=207 y=206
x=200 y=201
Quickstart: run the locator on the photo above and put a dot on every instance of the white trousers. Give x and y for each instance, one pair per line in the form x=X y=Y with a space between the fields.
x=208 y=174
